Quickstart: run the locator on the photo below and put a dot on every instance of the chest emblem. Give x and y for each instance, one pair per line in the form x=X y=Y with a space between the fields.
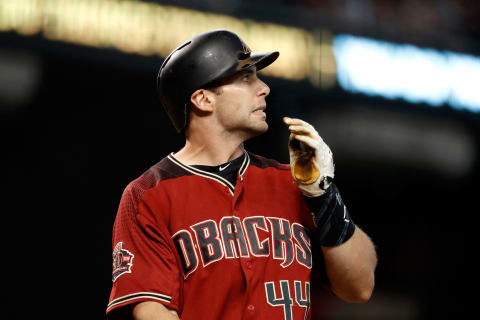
x=209 y=241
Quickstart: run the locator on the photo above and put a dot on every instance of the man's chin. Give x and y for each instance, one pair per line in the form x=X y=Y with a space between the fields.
x=259 y=129
x=262 y=126
x=265 y=129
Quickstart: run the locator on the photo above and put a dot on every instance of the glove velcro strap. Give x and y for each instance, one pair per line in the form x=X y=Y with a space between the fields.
x=330 y=215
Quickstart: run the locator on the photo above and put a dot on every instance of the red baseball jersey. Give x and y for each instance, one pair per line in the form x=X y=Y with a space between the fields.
x=189 y=239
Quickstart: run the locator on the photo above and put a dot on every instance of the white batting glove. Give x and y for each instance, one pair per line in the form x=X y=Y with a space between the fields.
x=312 y=164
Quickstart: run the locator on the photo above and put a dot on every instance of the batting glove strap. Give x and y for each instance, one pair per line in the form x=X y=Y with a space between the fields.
x=331 y=217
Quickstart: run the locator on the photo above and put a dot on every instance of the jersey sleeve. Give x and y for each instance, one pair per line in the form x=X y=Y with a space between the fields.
x=144 y=266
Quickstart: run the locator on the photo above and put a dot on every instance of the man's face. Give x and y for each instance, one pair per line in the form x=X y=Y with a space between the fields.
x=240 y=104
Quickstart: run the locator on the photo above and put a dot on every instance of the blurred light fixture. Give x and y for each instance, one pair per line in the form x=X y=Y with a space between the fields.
x=20 y=74
x=405 y=71
x=436 y=145
x=147 y=28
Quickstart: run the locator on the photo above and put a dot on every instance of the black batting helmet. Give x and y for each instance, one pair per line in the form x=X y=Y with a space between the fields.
x=199 y=62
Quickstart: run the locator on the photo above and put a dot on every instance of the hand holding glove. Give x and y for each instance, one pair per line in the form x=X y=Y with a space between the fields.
x=310 y=158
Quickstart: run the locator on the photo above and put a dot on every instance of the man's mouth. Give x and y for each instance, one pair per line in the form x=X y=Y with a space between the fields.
x=260 y=109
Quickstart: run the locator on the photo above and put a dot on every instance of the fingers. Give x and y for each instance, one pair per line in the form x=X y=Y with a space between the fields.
x=299 y=128
x=291 y=137
x=302 y=143
x=310 y=142
x=296 y=122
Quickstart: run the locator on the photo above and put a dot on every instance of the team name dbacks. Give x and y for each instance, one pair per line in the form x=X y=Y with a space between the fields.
x=208 y=241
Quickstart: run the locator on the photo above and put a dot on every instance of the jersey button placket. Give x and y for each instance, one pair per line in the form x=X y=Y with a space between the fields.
x=251 y=308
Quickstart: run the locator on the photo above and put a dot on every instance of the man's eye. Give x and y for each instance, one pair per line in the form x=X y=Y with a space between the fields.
x=245 y=77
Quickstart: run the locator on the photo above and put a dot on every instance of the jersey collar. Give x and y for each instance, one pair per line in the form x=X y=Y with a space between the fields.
x=213 y=176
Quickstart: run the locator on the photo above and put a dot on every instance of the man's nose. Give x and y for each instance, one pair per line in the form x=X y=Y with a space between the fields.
x=264 y=90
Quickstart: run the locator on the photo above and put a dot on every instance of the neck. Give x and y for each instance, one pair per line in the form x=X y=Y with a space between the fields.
x=209 y=150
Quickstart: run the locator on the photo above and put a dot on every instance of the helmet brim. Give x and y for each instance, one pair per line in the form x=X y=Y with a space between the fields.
x=260 y=60
x=264 y=59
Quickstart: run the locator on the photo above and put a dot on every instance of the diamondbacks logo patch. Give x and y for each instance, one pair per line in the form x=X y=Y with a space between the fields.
x=122 y=261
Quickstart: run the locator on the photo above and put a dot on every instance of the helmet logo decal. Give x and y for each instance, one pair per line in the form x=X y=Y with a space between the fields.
x=246 y=49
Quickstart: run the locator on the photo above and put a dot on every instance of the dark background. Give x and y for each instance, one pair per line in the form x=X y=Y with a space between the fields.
x=93 y=123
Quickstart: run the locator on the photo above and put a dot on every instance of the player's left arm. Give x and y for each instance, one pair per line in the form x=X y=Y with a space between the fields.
x=350 y=267
x=350 y=257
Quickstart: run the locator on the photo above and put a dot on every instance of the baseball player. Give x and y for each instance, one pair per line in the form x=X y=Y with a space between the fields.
x=215 y=232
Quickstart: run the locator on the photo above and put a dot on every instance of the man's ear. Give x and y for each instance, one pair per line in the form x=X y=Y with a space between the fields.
x=203 y=100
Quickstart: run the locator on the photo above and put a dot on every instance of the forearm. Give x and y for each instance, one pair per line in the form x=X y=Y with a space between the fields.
x=350 y=257
x=350 y=267
x=150 y=310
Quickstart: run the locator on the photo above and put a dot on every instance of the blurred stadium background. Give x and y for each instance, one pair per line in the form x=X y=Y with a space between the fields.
x=392 y=86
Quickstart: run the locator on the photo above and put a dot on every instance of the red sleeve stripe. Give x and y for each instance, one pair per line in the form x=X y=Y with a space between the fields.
x=137 y=296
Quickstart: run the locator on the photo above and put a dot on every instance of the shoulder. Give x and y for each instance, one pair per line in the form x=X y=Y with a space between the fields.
x=264 y=163
x=162 y=171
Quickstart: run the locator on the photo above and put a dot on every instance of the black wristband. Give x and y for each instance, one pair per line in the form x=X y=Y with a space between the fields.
x=330 y=215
